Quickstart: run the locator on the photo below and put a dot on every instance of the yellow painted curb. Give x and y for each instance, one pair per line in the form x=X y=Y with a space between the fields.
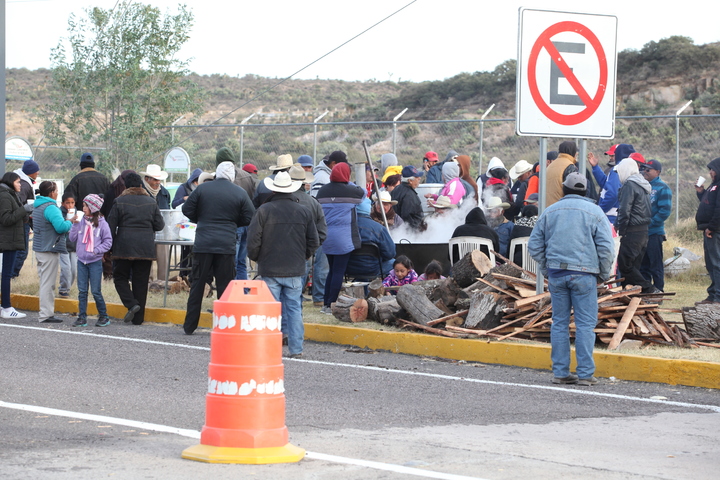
x=691 y=373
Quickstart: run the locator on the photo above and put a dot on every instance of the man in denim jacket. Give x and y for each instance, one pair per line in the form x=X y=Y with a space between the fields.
x=573 y=246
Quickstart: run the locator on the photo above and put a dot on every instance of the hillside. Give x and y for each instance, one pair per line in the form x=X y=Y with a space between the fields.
x=657 y=79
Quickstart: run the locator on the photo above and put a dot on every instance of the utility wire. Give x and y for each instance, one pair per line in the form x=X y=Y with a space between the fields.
x=292 y=75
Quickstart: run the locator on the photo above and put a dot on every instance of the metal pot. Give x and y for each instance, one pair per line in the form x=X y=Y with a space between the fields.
x=173 y=219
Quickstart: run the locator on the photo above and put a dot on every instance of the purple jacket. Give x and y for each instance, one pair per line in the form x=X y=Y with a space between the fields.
x=102 y=243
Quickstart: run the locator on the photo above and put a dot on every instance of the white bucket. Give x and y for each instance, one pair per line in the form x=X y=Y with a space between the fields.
x=424 y=188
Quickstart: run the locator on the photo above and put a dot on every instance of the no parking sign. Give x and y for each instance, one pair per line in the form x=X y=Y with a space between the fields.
x=566 y=74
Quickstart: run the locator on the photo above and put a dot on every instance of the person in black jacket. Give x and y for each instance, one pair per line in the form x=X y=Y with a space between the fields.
x=708 y=221
x=219 y=208
x=87 y=181
x=476 y=226
x=633 y=220
x=281 y=237
x=12 y=237
x=408 y=204
x=133 y=221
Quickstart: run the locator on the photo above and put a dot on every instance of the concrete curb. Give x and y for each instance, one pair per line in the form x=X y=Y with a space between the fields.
x=691 y=373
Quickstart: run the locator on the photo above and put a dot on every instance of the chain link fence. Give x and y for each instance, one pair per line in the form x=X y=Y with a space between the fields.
x=684 y=145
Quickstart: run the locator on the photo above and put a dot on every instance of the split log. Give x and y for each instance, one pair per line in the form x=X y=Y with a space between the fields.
x=376 y=289
x=350 y=309
x=413 y=300
x=702 y=321
x=486 y=310
x=473 y=265
x=383 y=310
x=448 y=291
x=353 y=290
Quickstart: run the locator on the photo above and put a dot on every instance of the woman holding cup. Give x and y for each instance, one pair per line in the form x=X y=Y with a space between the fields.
x=12 y=236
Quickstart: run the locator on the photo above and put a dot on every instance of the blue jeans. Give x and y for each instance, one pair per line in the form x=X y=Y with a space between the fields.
x=321 y=268
x=8 y=263
x=90 y=273
x=711 y=247
x=241 y=254
x=579 y=292
x=22 y=254
x=287 y=291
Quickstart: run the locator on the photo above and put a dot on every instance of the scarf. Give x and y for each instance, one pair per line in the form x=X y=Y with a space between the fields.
x=377 y=216
x=89 y=236
x=153 y=191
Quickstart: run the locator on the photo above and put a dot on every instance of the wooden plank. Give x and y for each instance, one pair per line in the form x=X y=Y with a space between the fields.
x=506 y=292
x=524 y=328
x=624 y=322
x=524 y=292
x=529 y=300
x=641 y=324
x=427 y=329
x=447 y=317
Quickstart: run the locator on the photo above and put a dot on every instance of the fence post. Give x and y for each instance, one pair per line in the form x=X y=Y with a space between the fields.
x=394 y=135
x=242 y=137
x=315 y=162
x=677 y=162
x=482 y=132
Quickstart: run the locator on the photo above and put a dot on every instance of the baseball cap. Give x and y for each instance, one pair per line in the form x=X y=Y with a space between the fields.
x=654 y=164
x=410 y=171
x=612 y=150
x=533 y=198
x=250 y=168
x=431 y=156
x=305 y=160
x=637 y=157
x=576 y=181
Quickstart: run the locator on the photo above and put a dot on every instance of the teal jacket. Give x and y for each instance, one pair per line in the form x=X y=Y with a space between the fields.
x=49 y=226
x=660 y=206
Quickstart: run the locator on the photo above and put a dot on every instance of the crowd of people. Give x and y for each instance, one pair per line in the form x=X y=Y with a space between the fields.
x=310 y=220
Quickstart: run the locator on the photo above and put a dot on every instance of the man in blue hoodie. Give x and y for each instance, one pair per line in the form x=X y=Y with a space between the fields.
x=573 y=246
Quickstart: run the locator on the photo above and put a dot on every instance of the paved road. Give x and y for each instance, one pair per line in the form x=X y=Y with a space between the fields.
x=411 y=416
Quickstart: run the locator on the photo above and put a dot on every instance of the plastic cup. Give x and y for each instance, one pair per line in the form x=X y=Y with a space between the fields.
x=700 y=181
x=70 y=213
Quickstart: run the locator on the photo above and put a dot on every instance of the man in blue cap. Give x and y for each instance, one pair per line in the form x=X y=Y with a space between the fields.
x=409 y=207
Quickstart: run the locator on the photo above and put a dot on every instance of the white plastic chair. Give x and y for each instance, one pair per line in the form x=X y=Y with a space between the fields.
x=527 y=261
x=466 y=245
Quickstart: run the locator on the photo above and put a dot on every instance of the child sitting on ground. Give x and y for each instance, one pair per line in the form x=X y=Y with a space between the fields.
x=433 y=271
x=401 y=274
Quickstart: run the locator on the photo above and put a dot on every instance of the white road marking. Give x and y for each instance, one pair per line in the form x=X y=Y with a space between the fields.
x=572 y=391
x=194 y=434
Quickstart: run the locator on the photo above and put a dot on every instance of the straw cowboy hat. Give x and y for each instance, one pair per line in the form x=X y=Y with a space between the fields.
x=205 y=176
x=297 y=172
x=283 y=162
x=442 y=202
x=282 y=183
x=155 y=172
x=519 y=168
x=385 y=198
x=496 y=202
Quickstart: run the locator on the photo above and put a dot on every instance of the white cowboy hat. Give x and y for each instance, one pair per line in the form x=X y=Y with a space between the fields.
x=155 y=172
x=496 y=202
x=283 y=162
x=385 y=198
x=442 y=202
x=205 y=176
x=282 y=183
x=523 y=166
x=297 y=172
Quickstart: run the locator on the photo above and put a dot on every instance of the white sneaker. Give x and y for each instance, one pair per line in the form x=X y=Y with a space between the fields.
x=12 y=313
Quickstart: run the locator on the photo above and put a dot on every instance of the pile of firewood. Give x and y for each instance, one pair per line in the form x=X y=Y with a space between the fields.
x=500 y=302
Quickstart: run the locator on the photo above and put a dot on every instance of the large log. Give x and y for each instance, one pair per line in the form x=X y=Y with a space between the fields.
x=376 y=289
x=473 y=265
x=702 y=321
x=383 y=310
x=413 y=300
x=486 y=310
x=350 y=309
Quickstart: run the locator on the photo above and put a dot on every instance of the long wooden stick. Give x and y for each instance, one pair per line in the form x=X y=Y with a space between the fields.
x=521 y=330
x=447 y=317
x=427 y=329
x=506 y=292
x=624 y=322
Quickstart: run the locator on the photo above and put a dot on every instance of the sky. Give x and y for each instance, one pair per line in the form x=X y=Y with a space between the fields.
x=427 y=40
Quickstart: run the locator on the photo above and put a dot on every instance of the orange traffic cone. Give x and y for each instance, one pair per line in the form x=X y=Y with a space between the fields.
x=245 y=403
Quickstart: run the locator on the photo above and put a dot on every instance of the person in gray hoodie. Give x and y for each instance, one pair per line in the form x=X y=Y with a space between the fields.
x=633 y=220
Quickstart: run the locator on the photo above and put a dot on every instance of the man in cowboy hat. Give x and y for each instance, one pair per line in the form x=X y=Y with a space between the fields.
x=87 y=181
x=282 y=224
x=385 y=202
x=153 y=176
x=519 y=174
x=262 y=192
x=219 y=208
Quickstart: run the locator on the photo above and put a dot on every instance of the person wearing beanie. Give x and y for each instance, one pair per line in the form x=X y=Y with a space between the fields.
x=610 y=189
x=323 y=169
x=574 y=250
x=87 y=181
x=92 y=239
x=408 y=205
x=28 y=174
x=338 y=200
x=559 y=169
x=363 y=265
